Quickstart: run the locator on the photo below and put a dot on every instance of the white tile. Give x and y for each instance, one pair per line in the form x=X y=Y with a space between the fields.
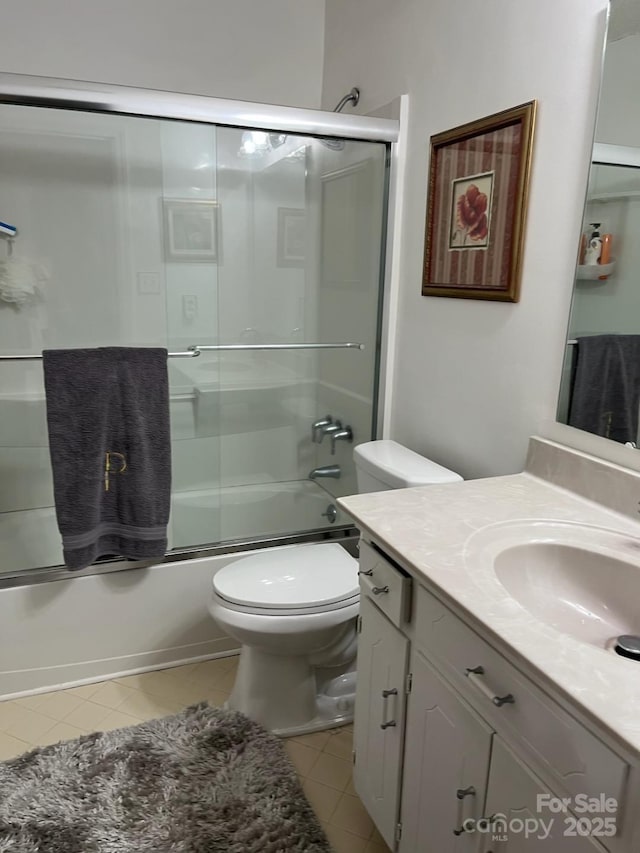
x=58 y=705
x=302 y=757
x=322 y=798
x=29 y=725
x=9 y=711
x=118 y=720
x=145 y=707
x=216 y=698
x=84 y=691
x=331 y=771
x=87 y=716
x=10 y=747
x=60 y=731
x=340 y=745
x=32 y=702
x=342 y=841
x=317 y=740
x=110 y=694
x=352 y=816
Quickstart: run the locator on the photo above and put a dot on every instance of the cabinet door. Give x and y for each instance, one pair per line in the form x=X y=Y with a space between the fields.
x=447 y=751
x=512 y=800
x=379 y=718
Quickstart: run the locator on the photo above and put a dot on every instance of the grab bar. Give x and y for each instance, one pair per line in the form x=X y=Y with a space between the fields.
x=196 y=349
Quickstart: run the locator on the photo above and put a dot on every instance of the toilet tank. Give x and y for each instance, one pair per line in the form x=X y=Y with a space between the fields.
x=385 y=464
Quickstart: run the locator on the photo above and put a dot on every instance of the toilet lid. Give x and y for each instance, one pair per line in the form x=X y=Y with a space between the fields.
x=292 y=578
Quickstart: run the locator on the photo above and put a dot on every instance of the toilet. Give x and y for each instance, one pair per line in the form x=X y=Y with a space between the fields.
x=294 y=609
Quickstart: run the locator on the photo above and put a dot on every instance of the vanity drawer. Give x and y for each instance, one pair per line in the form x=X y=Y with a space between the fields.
x=388 y=586
x=576 y=759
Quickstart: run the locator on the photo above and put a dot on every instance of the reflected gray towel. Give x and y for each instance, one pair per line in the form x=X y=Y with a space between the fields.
x=606 y=388
x=109 y=440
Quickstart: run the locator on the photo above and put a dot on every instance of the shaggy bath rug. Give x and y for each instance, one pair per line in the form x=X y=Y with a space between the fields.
x=206 y=780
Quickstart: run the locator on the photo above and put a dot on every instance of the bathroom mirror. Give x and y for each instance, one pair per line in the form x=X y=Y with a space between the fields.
x=600 y=388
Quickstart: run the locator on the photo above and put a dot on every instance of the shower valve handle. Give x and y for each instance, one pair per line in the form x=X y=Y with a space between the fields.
x=345 y=434
x=320 y=425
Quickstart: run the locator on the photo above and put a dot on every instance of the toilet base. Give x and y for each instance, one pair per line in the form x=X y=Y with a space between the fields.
x=290 y=697
x=329 y=717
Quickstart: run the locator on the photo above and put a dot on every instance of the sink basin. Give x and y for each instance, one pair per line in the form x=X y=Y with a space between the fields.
x=580 y=580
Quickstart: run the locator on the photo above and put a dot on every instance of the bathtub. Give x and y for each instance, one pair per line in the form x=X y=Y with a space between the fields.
x=87 y=627
x=243 y=512
x=30 y=538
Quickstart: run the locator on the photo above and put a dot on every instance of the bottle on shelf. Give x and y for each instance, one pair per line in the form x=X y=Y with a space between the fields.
x=594 y=246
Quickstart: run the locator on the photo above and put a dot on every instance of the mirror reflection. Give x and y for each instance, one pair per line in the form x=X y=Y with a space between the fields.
x=600 y=390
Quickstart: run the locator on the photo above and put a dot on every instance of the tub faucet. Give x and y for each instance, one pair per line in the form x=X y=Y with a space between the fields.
x=325 y=471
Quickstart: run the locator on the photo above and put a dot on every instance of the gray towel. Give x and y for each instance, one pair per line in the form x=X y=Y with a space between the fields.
x=606 y=388
x=109 y=440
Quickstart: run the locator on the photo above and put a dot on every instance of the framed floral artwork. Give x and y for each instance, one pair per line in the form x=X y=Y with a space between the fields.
x=476 y=208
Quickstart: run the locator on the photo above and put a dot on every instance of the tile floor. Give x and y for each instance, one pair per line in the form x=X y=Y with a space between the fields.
x=323 y=760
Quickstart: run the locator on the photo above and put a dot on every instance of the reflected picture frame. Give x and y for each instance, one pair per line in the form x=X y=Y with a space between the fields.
x=291 y=237
x=191 y=230
x=478 y=187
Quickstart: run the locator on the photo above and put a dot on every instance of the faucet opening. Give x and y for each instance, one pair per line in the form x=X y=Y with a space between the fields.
x=325 y=471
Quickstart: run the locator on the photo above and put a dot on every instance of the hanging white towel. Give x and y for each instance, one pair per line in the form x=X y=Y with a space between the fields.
x=19 y=280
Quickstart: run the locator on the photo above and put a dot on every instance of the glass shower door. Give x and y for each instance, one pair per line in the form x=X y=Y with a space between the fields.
x=145 y=232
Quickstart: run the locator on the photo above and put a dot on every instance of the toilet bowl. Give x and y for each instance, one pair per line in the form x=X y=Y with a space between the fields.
x=293 y=611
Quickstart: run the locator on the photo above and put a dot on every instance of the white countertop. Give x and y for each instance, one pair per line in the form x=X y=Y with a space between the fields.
x=431 y=530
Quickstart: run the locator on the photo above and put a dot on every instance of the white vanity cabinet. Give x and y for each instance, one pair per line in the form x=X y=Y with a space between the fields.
x=379 y=717
x=512 y=792
x=448 y=732
x=445 y=766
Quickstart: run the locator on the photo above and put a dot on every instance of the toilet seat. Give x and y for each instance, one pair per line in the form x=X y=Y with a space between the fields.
x=289 y=612
x=305 y=579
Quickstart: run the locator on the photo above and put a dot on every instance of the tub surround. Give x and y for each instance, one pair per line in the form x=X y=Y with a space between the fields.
x=430 y=531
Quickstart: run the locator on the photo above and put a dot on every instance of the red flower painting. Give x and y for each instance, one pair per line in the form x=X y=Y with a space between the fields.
x=470 y=211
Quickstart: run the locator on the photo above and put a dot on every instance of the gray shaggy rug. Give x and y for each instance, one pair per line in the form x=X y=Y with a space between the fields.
x=206 y=780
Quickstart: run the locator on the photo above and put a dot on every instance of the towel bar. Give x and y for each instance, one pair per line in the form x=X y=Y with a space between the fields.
x=187 y=354
x=196 y=349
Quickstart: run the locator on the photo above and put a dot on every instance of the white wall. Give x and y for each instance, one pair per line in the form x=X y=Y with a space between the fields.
x=268 y=52
x=474 y=379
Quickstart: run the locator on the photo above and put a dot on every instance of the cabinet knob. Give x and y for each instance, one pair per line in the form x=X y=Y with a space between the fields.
x=388 y=725
x=379 y=590
x=392 y=692
x=368 y=572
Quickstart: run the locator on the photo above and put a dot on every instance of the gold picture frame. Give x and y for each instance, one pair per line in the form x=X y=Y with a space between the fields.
x=478 y=187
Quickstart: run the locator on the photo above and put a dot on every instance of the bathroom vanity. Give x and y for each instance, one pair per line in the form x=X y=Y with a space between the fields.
x=492 y=712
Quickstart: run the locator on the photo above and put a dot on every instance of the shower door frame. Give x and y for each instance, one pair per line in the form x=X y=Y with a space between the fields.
x=26 y=90
x=56 y=93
